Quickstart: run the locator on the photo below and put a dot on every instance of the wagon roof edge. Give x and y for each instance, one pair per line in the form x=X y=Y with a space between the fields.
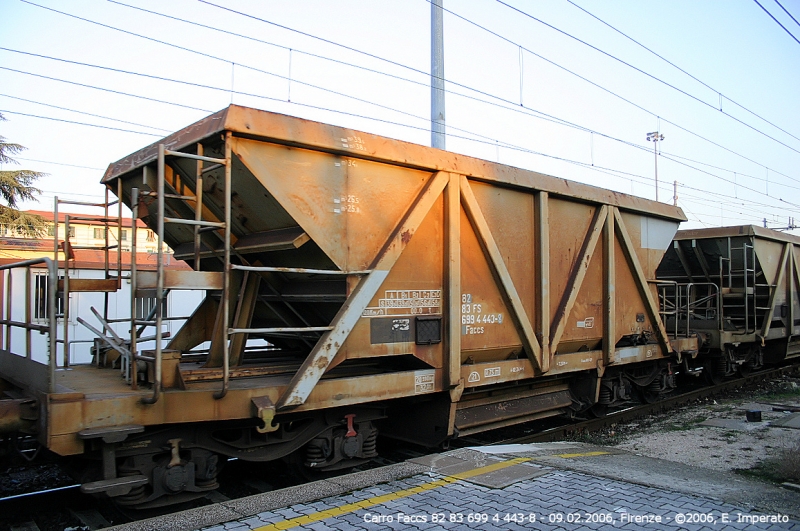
x=736 y=230
x=300 y=132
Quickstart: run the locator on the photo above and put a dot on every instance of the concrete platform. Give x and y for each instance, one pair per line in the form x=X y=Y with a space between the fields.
x=550 y=486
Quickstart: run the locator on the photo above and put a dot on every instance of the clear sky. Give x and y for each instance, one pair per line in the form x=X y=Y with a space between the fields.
x=521 y=91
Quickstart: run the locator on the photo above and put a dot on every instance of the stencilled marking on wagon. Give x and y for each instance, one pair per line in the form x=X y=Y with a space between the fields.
x=424 y=381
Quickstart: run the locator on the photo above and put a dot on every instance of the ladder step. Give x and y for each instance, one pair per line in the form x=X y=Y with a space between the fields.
x=147 y=280
x=107 y=285
x=115 y=486
x=110 y=434
x=212 y=374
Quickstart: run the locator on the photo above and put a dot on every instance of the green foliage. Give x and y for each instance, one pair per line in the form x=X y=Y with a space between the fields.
x=16 y=186
x=783 y=466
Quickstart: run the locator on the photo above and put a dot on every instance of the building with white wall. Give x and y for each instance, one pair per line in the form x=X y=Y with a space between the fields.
x=87 y=260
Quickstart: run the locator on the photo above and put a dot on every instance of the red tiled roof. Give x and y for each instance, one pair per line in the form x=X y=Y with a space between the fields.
x=62 y=218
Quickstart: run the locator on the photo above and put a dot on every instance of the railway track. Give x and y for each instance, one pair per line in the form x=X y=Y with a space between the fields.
x=69 y=506
x=563 y=431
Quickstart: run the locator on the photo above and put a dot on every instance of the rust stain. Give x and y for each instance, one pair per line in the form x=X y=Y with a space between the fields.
x=322 y=363
x=405 y=237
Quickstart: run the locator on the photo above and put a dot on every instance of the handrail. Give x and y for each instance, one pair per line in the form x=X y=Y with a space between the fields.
x=684 y=304
x=52 y=277
x=715 y=295
x=270 y=269
x=226 y=286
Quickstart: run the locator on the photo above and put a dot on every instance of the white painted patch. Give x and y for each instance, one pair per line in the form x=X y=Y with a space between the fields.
x=657 y=233
x=491 y=372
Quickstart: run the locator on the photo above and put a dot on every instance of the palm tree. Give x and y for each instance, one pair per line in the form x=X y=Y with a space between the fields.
x=16 y=186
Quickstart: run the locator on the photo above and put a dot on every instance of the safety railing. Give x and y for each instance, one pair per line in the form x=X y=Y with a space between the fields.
x=28 y=325
x=199 y=226
x=685 y=302
x=107 y=221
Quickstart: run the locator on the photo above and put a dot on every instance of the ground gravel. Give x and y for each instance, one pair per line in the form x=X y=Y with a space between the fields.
x=679 y=435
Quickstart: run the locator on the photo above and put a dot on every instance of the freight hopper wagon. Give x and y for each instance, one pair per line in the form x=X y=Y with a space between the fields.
x=354 y=284
x=737 y=287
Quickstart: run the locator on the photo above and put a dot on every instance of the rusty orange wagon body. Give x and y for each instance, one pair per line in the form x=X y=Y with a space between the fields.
x=354 y=283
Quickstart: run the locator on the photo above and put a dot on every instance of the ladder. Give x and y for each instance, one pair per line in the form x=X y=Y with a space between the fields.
x=112 y=276
x=738 y=274
x=161 y=281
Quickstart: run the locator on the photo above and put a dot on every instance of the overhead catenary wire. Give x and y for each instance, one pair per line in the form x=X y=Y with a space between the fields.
x=78 y=123
x=778 y=22
x=509 y=146
x=223 y=89
x=119 y=92
x=377 y=57
x=641 y=71
x=727 y=98
x=787 y=12
x=448 y=81
x=514 y=43
x=59 y=163
x=600 y=169
x=85 y=113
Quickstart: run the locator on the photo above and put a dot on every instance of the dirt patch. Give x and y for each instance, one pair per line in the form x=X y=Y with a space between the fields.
x=733 y=444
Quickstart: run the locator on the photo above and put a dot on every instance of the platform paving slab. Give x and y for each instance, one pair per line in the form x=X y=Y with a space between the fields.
x=660 y=473
x=577 y=486
x=789 y=421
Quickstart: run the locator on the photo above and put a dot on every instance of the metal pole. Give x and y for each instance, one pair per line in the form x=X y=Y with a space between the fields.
x=655 y=137
x=227 y=269
x=437 y=75
x=159 y=276
x=65 y=291
x=52 y=286
x=655 y=154
x=133 y=368
x=198 y=207
x=675 y=193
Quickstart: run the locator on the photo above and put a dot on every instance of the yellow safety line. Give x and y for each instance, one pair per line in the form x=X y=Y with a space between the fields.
x=378 y=500
x=569 y=456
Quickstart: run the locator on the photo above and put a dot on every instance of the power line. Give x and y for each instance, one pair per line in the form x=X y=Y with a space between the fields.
x=60 y=163
x=509 y=146
x=777 y=22
x=86 y=113
x=729 y=171
x=506 y=39
x=222 y=89
x=512 y=106
x=105 y=89
x=367 y=54
x=682 y=70
x=78 y=123
x=328 y=41
x=226 y=61
x=785 y=11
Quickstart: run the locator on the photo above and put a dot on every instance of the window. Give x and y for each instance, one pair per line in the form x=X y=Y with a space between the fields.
x=40 y=302
x=51 y=231
x=145 y=305
x=99 y=234
x=151 y=236
x=123 y=235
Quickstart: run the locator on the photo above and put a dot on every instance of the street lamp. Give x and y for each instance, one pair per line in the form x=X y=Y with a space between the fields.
x=655 y=137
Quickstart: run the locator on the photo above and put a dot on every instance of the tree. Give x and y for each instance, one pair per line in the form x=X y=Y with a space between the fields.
x=16 y=186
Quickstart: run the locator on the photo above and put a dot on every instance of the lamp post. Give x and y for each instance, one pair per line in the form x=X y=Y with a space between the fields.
x=655 y=137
